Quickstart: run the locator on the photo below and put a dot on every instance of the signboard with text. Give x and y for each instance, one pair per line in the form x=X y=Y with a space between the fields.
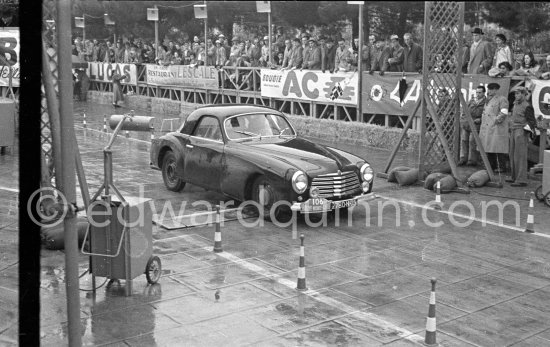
x=205 y=77
x=9 y=50
x=381 y=93
x=104 y=72
x=309 y=85
x=541 y=98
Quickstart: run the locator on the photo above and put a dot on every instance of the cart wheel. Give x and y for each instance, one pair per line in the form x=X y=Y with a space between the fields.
x=538 y=193
x=153 y=270
x=547 y=199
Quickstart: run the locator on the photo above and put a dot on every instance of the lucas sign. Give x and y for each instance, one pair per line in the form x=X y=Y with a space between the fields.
x=309 y=85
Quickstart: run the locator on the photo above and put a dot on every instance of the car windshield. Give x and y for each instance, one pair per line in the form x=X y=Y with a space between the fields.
x=257 y=125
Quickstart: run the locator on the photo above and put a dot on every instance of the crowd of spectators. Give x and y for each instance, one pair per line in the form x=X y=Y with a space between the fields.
x=325 y=54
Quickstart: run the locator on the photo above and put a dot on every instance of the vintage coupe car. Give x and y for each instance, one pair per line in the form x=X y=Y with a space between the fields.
x=250 y=152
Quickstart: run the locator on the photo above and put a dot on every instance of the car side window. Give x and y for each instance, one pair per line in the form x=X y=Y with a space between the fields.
x=208 y=128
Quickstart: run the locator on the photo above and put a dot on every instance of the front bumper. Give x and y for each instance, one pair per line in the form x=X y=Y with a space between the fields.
x=304 y=207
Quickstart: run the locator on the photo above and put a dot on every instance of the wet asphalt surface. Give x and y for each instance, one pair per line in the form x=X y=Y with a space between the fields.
x=368 y=274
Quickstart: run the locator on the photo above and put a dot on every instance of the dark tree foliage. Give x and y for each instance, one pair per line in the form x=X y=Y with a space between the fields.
x=525 y=18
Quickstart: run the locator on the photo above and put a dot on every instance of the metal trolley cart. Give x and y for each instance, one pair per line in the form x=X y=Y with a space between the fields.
x=120 y=229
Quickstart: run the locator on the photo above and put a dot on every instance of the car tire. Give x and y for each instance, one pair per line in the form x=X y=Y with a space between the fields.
x=271 y=196
x=171 y=182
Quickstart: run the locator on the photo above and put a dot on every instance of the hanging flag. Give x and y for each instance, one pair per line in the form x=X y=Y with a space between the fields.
x=336 y=92
x=402 y=89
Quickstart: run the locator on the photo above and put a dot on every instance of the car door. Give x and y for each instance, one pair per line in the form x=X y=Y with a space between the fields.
x=204 y=154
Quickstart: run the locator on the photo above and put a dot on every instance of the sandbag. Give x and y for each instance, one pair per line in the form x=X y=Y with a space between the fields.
x=442 y=167
x=447 y=184
x=406 y=178
x=391 y=174
x=430 y=180
x=478 y=179
x=53 y=236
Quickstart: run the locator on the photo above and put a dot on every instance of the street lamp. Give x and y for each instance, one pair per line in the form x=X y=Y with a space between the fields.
x=79 y=23
x=153 y=14
x=359 y=116
x=265 y=7
x=109 y=21
x=201 y=12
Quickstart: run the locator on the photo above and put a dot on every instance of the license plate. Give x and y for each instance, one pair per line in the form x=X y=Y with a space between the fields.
x=344 y=203
x=316 y=205
x=320 y=205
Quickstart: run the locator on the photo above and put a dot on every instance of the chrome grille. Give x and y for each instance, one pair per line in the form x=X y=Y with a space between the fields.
x=336 y=184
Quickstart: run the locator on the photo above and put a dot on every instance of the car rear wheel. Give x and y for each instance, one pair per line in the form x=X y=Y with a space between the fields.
x=171 y=181
x=265 y=194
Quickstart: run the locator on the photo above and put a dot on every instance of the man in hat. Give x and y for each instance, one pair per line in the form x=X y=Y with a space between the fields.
x=481 y=54
x=296 y=57
x=313 y=58
x=493 y=131
x=468 y=149
x=395 y=60
x=522 y=123
x=220 y=57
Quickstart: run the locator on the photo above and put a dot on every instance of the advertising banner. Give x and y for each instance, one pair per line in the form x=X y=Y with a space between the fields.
x=9 y=50
x=541 y=98
x=103 y=72
x=383 y=94
x=309 y=85
x=205 y=77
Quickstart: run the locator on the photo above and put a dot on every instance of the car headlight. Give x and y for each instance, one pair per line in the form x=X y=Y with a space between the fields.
x=367 y=173
x=299 y=182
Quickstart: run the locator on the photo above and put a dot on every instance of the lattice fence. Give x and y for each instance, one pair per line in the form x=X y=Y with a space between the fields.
x=443 y=42
x=49 y=40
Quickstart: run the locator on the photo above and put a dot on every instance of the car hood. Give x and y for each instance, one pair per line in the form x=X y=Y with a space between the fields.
x=302 y=154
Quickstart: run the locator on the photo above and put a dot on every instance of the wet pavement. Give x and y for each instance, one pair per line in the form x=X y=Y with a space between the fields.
x=368 y=275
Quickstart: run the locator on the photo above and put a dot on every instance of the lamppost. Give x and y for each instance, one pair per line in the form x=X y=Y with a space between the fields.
x=359 y=116
x=265 y=7
x=201 y=12
x=110 y=22
x=153 y=14
x=80 y=23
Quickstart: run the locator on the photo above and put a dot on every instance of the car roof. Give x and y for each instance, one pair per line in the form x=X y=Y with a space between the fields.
x=222 y=111
x=225 y=110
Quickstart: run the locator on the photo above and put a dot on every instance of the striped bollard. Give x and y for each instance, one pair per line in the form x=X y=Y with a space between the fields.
x=530 y=227
x=84 y=120
x=430 y=321
x=104 y=123
x=127 y=134
x=302 y=267
x=438 y=202
x=217 y=233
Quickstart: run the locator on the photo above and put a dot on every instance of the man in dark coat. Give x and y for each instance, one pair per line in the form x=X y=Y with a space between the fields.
x=117 y=88
x=394 y=62
x=412 y=55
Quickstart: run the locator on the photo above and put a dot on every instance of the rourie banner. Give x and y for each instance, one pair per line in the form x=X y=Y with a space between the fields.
x=382 y=94
x=104 y=72
x=309 y=85
x=9 y=50
x=541 y=98
x=205 y=77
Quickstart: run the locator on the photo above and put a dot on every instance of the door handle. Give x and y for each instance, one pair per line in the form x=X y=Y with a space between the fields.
x=189 y=146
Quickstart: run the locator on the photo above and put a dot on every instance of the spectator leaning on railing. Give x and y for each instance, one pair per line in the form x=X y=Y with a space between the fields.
x=312 y=59
x=544 y=71
x=503 y=53
x=342 y=58
x=412 y=55
x=529 y=66
x=394 y=63
x=296 y=58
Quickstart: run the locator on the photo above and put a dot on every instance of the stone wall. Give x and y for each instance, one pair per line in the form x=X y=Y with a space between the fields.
x=351 y=133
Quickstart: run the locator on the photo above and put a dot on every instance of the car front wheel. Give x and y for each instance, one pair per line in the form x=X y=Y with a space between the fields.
x=265 y=194
x=171 y=181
